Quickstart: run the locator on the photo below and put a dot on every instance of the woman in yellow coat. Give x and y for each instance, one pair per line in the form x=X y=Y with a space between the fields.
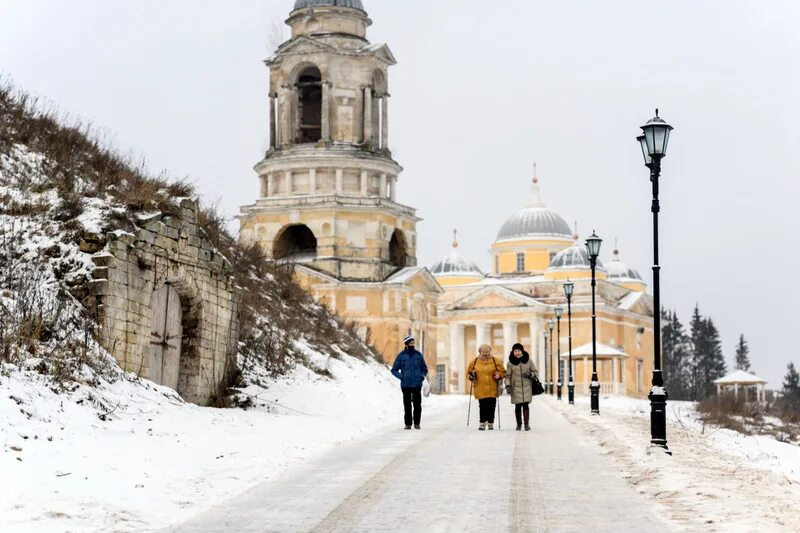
x=485 y=372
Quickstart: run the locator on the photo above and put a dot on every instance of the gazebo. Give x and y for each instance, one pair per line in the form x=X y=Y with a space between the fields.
x=610 y=367
x=744 y=380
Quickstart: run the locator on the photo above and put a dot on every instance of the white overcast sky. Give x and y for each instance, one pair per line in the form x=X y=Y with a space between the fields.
x=483 y=88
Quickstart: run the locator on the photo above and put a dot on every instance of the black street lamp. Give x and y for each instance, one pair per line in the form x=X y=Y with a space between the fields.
x=550 y=323
x=559 y=311
x=546 y=382
x=569 y=287
x=593 y=248
x=654 y=148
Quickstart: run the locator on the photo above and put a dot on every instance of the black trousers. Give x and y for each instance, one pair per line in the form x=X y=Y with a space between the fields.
x=412 y=396
x=519 y=410
x=487 y=406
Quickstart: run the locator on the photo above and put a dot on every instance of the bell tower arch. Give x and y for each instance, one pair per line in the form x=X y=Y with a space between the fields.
x=329 y=168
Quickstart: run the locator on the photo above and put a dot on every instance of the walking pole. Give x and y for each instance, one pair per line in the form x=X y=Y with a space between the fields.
x=469 y=409
x=499 y=426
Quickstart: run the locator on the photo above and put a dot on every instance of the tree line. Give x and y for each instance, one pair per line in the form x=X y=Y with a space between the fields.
x=694 y=359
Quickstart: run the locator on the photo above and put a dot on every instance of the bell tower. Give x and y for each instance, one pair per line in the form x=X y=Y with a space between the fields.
x=328 y=182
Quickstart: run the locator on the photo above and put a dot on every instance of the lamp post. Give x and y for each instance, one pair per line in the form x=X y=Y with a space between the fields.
x=654 y=148
x=546 y=382
x=593 y=248
x=559 y=311
x=569 y=287
x=550 y=323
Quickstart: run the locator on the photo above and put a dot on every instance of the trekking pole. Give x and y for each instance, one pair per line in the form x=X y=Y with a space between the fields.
x=499 y=425
x=469 y=409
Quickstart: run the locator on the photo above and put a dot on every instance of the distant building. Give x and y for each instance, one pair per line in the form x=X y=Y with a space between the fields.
x=328 y=206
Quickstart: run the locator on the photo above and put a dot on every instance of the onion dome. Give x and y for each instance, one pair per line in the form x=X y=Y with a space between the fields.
x=573 y=258
x=456 y=266
x=535 y=221
x=302 y=4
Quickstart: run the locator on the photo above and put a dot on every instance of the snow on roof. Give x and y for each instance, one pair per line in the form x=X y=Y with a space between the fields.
x=403 y=275
x=629 y=300
x=739 y=376
x=603 y=350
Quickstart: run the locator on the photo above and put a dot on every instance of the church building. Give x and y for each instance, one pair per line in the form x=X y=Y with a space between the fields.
x=328 y=209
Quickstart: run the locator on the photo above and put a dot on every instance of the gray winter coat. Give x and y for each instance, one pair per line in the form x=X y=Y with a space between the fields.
x=521 y=386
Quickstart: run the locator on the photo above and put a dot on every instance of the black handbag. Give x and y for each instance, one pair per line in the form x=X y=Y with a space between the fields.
x=536 y=385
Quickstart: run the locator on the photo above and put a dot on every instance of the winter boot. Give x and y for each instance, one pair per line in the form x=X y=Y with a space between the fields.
x=482 y=426
x=519 y=427
x=527 y=414
x=519 y=420
x=416 y=426
x=491 y=426
x=408 y=427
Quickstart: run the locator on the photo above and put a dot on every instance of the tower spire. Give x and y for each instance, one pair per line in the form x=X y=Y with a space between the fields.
x=535 y=198
x=455 y=239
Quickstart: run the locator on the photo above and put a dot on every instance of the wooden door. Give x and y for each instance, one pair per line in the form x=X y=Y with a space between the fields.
x=166 y=333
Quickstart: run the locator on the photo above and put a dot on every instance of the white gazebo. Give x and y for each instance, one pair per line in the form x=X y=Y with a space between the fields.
x=610 y=363
x=744 y=380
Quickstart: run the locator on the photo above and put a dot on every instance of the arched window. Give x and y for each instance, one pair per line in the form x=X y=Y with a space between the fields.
x=295 y=243
x=520 y=262
x=397 y=249
x=309 y=105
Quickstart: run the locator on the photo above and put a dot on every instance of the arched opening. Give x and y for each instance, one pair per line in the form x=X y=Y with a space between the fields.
x=309 y=105
x=397 y=249
x=296 y=243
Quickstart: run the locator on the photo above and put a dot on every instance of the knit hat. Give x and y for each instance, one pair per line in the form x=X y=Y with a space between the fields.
x=517 y=346
x=408 y=339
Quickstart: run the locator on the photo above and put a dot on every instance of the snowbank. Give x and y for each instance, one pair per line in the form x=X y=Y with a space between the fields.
x=153 y=461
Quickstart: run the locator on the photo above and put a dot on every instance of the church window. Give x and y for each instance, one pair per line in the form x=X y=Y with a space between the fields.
x=520 y=262
x=295 y=243
x=639 y=376
x=397 y=249
x=309 y=105
x=441 y=375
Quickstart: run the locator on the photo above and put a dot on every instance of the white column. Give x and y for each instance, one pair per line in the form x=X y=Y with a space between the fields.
x=263 y=182
x=736 y=391
x=339 y=173
x=326 y=111
x=364 y=182
x=312 y=181
x=509 y=337
x=367 y=114
x=385 y=122
x=270 y=185
x=289 y=182
x=393 y=189
x=383 y=186
x=536 y=339
x=481 y=335
x=461 y=360
x=614 y=376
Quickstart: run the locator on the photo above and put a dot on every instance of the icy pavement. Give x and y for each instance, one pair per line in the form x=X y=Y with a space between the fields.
x=447 y=477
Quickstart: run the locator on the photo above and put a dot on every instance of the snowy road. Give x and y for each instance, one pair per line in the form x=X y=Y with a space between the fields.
x=447 y=477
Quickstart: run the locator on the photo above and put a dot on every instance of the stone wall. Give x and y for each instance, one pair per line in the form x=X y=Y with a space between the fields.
x=169 y=249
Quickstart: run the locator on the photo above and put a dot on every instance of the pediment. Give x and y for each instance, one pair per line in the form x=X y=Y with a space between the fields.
x=299 y=46
x=493 y=298
x=643 y=307
x=418 y=278
x=380 y=51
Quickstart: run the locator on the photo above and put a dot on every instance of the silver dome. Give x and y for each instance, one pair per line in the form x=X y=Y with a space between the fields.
x=355 y=4
x=573 y=258
x=534 y=221
x=455 y=264
x=619 y=271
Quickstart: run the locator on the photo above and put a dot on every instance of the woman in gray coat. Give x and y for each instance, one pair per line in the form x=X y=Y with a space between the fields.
x=519 y=373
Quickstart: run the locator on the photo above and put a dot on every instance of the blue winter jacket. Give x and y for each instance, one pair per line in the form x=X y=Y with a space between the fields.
x=410 y=368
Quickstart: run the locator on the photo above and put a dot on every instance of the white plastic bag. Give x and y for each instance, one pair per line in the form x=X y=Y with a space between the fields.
x=426 y=388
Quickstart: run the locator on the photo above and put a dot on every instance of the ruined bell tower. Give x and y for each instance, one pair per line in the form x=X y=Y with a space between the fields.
x=328 y=182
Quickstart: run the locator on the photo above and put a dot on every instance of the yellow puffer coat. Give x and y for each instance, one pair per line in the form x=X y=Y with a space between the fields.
x=485 y=386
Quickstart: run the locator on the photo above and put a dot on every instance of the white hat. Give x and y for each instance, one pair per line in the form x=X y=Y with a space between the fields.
x=408 y=339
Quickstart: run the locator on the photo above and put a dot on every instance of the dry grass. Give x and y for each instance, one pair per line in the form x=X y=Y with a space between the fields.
x=752 y=418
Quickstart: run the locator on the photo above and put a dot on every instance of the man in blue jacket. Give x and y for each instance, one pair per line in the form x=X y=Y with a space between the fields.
x=410 y=368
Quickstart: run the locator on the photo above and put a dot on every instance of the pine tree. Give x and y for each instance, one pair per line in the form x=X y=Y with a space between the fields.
x=697 y=342
x=791 y=385
x=677 y=357
x=713 y=361
x=742 y=355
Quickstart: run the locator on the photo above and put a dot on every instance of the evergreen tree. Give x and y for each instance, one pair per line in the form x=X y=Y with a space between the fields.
x=791 y=385
x=714 y=366
x=697 y=339
x=677 y=354
x=742 y=355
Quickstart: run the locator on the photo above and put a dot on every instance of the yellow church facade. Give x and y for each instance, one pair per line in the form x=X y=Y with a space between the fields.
x=327 y=209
